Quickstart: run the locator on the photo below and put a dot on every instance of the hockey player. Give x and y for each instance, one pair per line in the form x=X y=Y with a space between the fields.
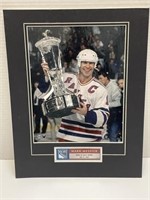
x=87 y=121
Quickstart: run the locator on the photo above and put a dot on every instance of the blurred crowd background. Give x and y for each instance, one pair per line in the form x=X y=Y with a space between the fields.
x=107 y=41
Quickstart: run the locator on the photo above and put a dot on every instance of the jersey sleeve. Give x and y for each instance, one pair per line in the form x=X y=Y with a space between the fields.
x=98 y=116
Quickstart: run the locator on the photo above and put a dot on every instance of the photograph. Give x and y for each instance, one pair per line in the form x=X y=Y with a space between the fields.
x=77 y=75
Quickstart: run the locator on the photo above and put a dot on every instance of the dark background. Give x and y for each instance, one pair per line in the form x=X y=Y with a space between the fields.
x=26 y=165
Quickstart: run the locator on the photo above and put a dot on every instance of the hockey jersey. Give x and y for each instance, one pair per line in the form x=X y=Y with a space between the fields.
x=89 y=128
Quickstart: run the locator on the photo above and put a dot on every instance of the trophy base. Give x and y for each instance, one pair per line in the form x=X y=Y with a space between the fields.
x=61 y=106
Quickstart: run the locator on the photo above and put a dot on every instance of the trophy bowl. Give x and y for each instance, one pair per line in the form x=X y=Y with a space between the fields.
x=58 y=101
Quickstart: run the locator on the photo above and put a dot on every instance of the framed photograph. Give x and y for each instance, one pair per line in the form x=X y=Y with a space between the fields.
x=77 y=85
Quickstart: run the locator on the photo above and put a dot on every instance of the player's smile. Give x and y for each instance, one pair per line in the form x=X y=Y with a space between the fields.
x=87 y=67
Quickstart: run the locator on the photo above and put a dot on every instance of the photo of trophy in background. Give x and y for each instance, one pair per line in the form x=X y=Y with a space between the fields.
x=57 y=101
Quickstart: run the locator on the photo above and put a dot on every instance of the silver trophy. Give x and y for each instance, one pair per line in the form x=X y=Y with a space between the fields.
x=57 y=101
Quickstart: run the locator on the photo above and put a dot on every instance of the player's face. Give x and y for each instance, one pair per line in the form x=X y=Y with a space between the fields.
x=86 y=68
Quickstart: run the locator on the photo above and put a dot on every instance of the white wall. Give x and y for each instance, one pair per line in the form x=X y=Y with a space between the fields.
x=6 y=139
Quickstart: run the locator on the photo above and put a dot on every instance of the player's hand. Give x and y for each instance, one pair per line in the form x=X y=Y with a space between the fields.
x=45 y=68
x=82 y=110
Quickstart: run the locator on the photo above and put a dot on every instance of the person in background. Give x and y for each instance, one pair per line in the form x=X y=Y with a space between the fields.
x=38 y=113
x=120 y=82
x=114 y=96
